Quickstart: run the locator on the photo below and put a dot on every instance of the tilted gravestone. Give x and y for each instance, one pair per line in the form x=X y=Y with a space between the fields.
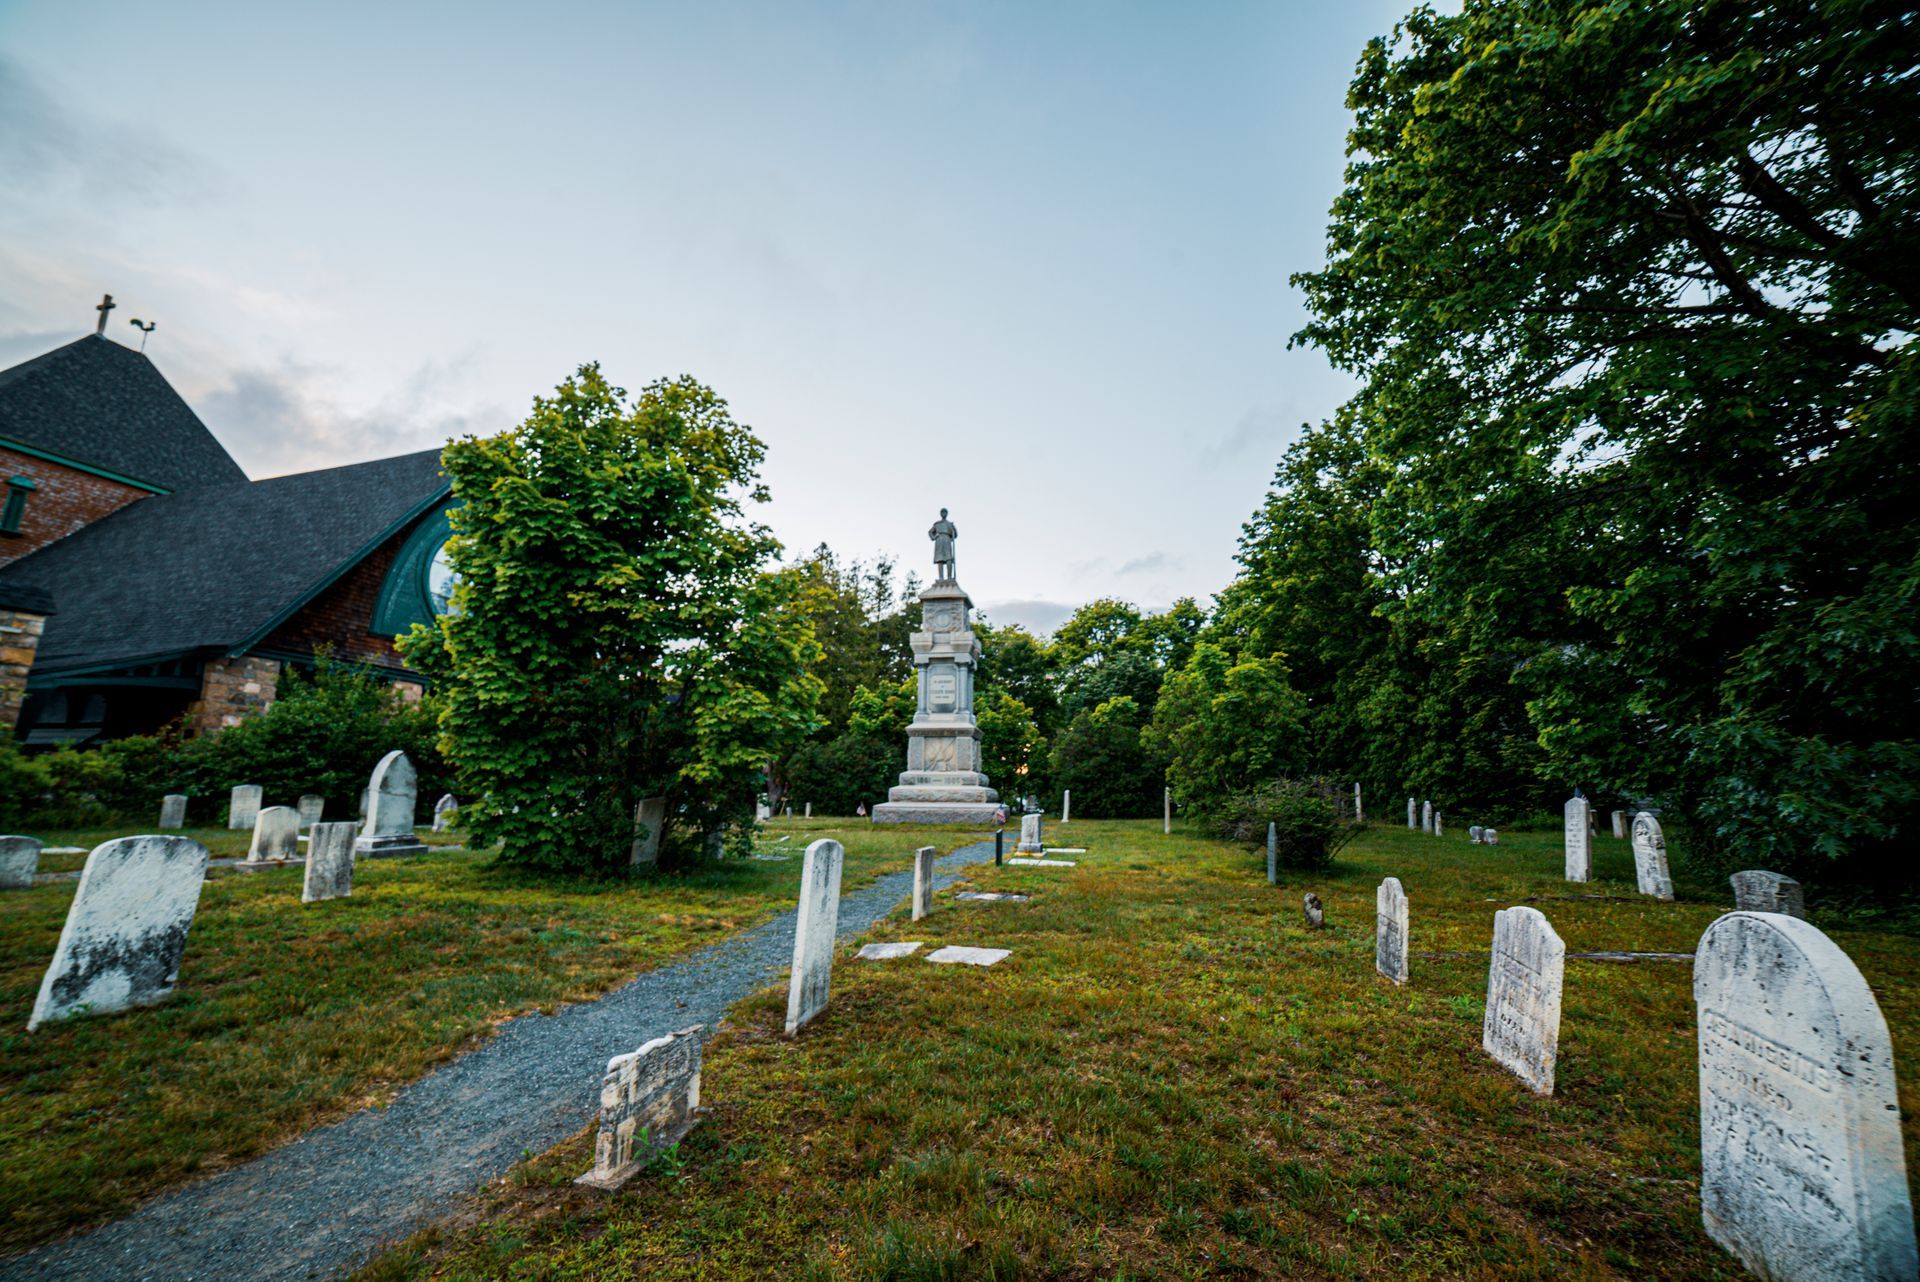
x=1315 y=911
x=173 y=810
x=311 y=806
x=1412 y=817
x=650 y=820
x=19 y=861
x=1620 y=823
x=243 y=805
x=923 y=881
x=329 y=862
x=1273 y=855
x=815 y=922
x=392 y=795
x=1390 y=930
x=1524 y=979
x=1030 y=841
x=1579 y=841
x=1757 y=891
x=126 y=928
x=649 y=1100
x=1650 y=857
x=1802 y=1174
x=276 y=836
x=445 y=811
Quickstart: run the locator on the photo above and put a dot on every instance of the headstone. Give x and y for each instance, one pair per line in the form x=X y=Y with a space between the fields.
x=1802 y=1173
x=992 y=897
x=1757 y=891
x=1579 y=841
x=762 y=811
x=649 y=1100
x=649 y=820
x=276 y=835
x=922 y=882
x=1473 y=834
x=392 y=795
x=445 y=812
x=1619 y=823
x=1426 y=816
x=362 y=812
x=1390 y=930
x=1524 y=976
x=888 y=952
x=311 y=807
x=126 y=929
x=1489 y=836
x=173 y=810
x=243 y=806
x=1030 y=841
x=816 y=920
x=1166 y=802
x=1066 y=804
x=1273 y=855
x=1359 y=813
x=1043 y=863
x=329 y=862
x=19 y=861
x=954 y=955
x=1315 y=911
x=809 y=810
x=1650 y=857
x=1439 y=829
x=1413 y=819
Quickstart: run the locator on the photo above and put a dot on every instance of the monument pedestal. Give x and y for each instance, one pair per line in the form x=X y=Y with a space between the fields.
x=942 y=783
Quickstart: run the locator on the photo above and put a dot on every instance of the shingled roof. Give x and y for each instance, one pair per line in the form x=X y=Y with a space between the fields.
x=96 y=402
x=218 y=567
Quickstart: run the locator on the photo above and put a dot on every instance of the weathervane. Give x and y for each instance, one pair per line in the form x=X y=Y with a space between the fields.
x=145 y=329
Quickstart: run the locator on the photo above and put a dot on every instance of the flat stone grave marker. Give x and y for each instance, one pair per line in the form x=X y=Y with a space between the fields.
x=1579 y=840
x=392 y=794
x=1650 y=857
x=1758 y=891
x=923 y=881
x=311 y=807
x=243 y=805
x=1064 y=850
x=126 y=929
x=815 y=921
x=649 y=1100
x=955 y=955
x=1044 y=863
x=329 y=862
x=1316 y=912
x=1390 y=930
x=992 y=897
x=1524 y=982
x=887 y=952
x=1802 y=1173
x=1030 y=841
x=444 y=811
x=19 y=861
x=276 y=836
x=173 y=810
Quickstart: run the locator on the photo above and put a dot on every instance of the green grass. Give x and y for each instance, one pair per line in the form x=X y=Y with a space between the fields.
x=221 y=843
x=1172 y=1077
x=288 y=1015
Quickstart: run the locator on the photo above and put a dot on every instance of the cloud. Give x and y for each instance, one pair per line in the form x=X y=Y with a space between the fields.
x=1152 y=563
x=1260 y=428
x=1039 y=617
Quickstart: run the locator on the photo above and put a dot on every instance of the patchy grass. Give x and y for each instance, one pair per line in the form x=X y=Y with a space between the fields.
x=221 y=843
x=1173 y=1077
x=289 y=1015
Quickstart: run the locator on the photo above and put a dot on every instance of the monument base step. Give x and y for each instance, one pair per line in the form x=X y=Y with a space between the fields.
x=935 y=812
x=926 y=792
x=942 y=779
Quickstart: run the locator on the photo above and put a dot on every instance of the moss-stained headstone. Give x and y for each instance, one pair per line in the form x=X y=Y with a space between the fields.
x=1524 y=978
x=276 y=835
x=649 y=1099
x=392 y=795
x=1759 y=891
x=1579 y=839
x=814 y=926
x=243 y=806
x=329 y=872
x=1650 y=857
x=173 y=810
x=923 y=881
x=19 y=861
x=1390 y=930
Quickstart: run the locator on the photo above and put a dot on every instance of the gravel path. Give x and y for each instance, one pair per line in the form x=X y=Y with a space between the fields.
x=320 y=1205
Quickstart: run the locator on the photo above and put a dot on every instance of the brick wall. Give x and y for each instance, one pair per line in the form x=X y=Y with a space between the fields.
x=232 y=690
x=342 y=616
x=19 y=640
x=63 y=501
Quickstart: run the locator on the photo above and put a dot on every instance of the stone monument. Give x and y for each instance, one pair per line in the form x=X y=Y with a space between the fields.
x=391 y=797
x=1031 y=842
x=173 y=810
x=243 y=804
x=276 y=835
x=1759 y=891
x=329 y=873
x=923 y=881
x=943 y=782
x=312 y=806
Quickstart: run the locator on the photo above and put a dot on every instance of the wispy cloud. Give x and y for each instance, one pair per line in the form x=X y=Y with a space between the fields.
x=1152 y=563
x=1040 y=617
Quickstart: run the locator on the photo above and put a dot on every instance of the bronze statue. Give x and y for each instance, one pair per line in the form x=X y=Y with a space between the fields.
x=943 y=534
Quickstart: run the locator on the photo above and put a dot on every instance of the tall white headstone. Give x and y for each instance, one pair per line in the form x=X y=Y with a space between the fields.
x=1066 y=804
x=1759 y=891
x=126 y=929
x=809 y=813
x=1273 y=855
x=1413 y=817
x=1426 y=816
x=19 y=861
x=1439 y=827
x=173 y=810
x=392 y=794
x=1802 y=1173
x=1650 y=857
x=1166 y=813
x=1359 y=811
x=329 y=872
x=1579 y=841
x=276 y=835
x=1524 y=978
x=243 y=806
x=1390 y=930
x=650 y=820
x=815 y=923
x=1031 y=841
x=923 y=881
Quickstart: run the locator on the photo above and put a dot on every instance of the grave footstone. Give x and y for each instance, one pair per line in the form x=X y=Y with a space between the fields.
x=649 y=1100
x=1802 y=1173
x=1030 y=842
x=276 y=835
x=1619 y=823
x=1273 y=855
x=329 y=872
x=1650 y=857
x=1579 y=841
x=890 y=951
x=1315 y=911
x=1524 y=979
x=19 y=861
x=955 y=955
x=126 y=929
x=1758 y=891
x=1066 y=804
x=1439 y=829
x=1412 y=815
x=243 y=806
x=922 y=882
x=392 y=795
x=817 y=918
x=1390 y=930
x=445 y=812
x=173 y=810
x=311 y=807
x=649 y=821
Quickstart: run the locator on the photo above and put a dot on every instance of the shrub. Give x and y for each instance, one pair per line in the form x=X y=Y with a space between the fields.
x=1306 y=815
x=837 y=776
x=1100 y=758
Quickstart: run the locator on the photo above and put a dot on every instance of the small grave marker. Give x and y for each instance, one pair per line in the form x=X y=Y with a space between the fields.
x=649 y=1100
x=1650 y=857
x=888 y=952
x=992 y=897
x=1489 y=837
x=1412 y=817
x=954 y=955
x=329 y=872
x=243 y=805
x=1619 y=823
x=1524 y=981
x=1066 y=804
x=276 y=836
x=815 y=922
x=173 y=810
x=1426 y=816
x=19 y=861
x=1390 y=930
x=1758 y=891
x=1316 y=912
x=1579 y=841
x=650 y=820
x=923 y=881
x=1030 y=842
x=311 y=807
x=1473 y=834
x=1273 y=855
x=445 y=812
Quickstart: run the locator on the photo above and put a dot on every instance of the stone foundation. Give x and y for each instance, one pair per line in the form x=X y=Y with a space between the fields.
x=19 y=642
x=231 y=690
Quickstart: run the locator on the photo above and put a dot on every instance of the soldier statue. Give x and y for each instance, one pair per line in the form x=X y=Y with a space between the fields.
x=943 y=534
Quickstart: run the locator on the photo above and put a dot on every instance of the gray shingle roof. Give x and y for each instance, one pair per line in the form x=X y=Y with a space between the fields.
x=213 y=568
x=102 y=404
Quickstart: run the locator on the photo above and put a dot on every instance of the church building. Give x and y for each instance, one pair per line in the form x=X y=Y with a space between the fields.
x=144 y=577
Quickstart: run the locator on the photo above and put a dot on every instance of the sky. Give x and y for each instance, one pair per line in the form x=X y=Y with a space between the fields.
x=1025 y=261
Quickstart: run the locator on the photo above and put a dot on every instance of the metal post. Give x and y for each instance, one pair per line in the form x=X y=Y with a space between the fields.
x=999 y=845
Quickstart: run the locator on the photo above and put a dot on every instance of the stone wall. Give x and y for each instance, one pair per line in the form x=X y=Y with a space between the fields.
x=232 y=690
x=64 y=499
x=19 y=641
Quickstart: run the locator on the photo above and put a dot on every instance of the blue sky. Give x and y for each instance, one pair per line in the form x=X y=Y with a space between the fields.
x=1025 y=261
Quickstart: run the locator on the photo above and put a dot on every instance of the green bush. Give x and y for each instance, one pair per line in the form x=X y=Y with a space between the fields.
x=1101 y=759
x=1308 y=825
x=841 y=774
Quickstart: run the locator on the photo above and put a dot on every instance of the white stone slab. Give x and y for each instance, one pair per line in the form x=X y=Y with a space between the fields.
x=649 y=1099
x=1044 y=863
x=19 y=861
x=1579 y=840
x=126 y=929
x=1650 y=857
x=1064 y=850
x=1390 y=930
x=243 y=805
x=1489 y=836
x=955 y=955
x=817 y=919
x=276 y=835
x=1439 y=828
x=1473 y=834
x=888 y=952
x=991 y=897
x=1030 y=840
x=1802 y=1173
x=923 y=881
x=329 y=873
x=1426 y=816
x=1066 y=804
x=392 y=794
x=173 y=810
x=1759 y=891
x=1524 y=981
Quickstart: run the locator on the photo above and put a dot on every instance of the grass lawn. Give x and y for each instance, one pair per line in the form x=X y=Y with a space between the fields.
x=288 y=1015
x=1172 y=1077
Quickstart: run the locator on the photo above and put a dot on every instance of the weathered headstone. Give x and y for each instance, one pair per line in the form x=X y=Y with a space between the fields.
x=809 y=813
x=19 y=861
x=1426 y=816
x=762 y=811
x=276 y=835
x=1650 y=857
x=243 y=806
x=329 y=862
x=1316 y=912
x=1413 y=818
x=1802 y=1173
x=1030 y=842
x=1758 y=891
x=1066 y=804
x=1359 y=811
x=650 y=820
x=1439 y=829
x=1489 y=836
x=445 y=811
x=1619 y=823
x=1473 y=834
x=126 y=928
x=311 y=807
x=1390 y=930
x=649 y=1100
x=1579 y=840
x=392 y=795
x=1524 y=978
x=1273 y=855
x=923 y=882
x=817 y=919
x=1166 y=814
x=173 y=810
